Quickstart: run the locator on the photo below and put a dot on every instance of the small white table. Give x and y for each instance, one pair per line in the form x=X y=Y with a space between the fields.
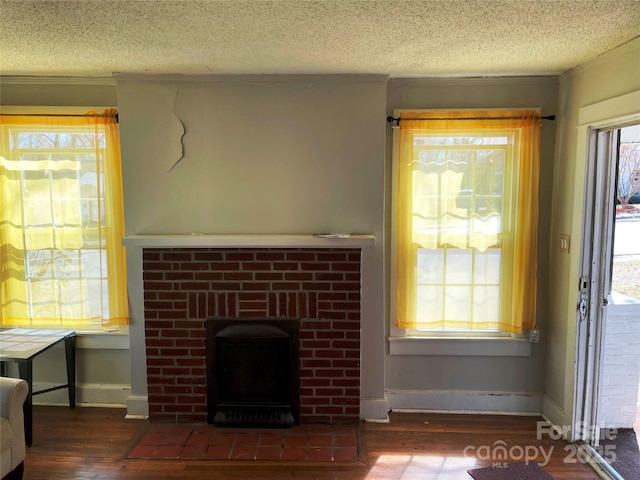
x=22 y=345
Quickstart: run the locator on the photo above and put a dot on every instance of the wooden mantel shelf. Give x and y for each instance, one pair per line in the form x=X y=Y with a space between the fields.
x=240 y=241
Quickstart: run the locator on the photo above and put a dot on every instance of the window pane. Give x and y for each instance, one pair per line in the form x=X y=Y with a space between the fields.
x=430 y=265
x=39 y=264
x=460 y=140
x=468 y=191
x=487 y=266
x=430 y=303
x=95 y=305
x=36 y=199
x=41 y=293
x=35 y=140
x=66 y=263
x=92 y=262
x=459 y=266
x=458 y=194
x=458 y=303
x=471 y=285
x=61 y=212
x=71 y=295
x=486 y=304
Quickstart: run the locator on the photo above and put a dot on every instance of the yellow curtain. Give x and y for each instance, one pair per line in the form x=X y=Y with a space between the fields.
x=61 y=210
x=416 y=227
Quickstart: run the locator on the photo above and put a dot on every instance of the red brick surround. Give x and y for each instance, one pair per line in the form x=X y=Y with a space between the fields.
x=320 y=286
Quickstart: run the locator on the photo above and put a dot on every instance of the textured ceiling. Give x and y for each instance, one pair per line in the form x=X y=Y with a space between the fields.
x=396 y=37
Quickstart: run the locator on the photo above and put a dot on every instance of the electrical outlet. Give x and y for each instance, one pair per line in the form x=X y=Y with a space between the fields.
x=564 y=243
x=534 y=336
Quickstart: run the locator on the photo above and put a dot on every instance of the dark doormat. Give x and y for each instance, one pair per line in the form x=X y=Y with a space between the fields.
x=627 y=455
x=511 y=471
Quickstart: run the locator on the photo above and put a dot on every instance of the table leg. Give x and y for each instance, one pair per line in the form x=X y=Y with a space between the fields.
x=70 y=352
x=25 y=371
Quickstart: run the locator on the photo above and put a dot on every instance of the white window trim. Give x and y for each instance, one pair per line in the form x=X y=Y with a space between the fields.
x=460 y=346
x=403 y=341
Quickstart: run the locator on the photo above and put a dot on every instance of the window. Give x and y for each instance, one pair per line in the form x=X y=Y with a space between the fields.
x=61 y=222
x=466 y=221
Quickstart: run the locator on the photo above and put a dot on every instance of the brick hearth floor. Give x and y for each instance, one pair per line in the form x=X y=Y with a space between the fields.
x=320 y=443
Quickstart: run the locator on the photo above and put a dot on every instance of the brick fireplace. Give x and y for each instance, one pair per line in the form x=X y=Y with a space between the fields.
x=319 y=286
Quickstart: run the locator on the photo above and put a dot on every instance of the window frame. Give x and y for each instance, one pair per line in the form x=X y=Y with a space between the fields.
x=96 y=328
x=405 y=341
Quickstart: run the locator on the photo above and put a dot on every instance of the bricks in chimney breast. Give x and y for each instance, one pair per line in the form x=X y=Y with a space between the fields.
x=321 y=287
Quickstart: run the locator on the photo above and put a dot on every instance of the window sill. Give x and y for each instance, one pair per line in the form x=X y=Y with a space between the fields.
x=470 y=347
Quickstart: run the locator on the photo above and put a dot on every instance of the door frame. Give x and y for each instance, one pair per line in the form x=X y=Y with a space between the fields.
x=593 y=288
x=593 y=119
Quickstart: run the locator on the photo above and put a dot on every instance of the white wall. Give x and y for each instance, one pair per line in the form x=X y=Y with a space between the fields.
x=102 y=372
x=57 y=92
x=261 y=155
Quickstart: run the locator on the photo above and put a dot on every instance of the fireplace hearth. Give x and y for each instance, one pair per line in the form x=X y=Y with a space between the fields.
x=253 y=372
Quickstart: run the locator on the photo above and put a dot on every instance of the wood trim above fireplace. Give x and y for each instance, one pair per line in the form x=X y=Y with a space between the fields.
x=196 y=240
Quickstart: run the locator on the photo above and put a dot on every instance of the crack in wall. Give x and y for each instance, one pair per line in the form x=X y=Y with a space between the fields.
x=184 y=132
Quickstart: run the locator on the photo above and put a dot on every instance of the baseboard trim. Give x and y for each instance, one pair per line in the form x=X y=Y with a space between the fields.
x=374 y=410
x=98 y=394
x=137 y=406
x=552 y=411
x=460 y=401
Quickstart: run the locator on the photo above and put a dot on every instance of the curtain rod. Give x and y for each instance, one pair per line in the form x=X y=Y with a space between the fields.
x=391 y=119
x=53 y=115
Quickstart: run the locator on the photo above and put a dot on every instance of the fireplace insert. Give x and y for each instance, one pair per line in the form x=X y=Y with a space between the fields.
x=253 y=372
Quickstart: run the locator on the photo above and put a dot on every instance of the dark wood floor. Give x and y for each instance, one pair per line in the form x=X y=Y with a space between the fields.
x=93 y=443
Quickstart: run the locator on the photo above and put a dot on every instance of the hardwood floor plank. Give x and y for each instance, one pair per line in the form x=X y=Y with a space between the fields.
x=93 y=443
